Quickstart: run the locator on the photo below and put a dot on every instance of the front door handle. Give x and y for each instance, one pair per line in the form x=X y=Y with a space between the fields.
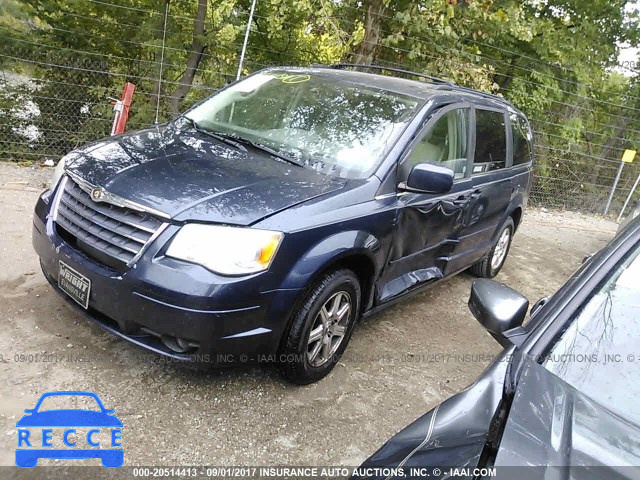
x=461 y=200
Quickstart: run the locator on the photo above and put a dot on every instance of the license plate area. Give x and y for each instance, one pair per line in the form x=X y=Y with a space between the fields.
x=74 y=284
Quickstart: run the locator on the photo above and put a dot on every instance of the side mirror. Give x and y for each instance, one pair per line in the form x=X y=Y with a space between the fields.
x=429 y=178
x=499 y=309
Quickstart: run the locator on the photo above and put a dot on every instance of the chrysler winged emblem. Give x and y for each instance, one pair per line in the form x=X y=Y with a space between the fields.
x=97 y=194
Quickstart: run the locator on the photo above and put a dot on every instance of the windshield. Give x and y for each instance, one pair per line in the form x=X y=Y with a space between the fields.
x=598 y=353
x=336 y=127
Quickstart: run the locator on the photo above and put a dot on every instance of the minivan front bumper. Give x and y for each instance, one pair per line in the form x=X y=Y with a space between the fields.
x=160 y=300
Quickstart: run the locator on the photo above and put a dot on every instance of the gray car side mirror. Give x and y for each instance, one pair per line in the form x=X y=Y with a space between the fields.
x=499 y=309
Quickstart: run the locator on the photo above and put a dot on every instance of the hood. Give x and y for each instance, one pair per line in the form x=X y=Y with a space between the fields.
x=189 y=175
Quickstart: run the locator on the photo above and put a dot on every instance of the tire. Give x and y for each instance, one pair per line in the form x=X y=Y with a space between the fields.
x=304 y=360
x=492 y=263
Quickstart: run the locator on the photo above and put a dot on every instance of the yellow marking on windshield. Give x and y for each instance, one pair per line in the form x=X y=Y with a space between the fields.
x=292 y=78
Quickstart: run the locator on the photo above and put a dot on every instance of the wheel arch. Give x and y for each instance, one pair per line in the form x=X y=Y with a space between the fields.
x=514 y=211
x=363 y=257
x=362 y=265
x=358 y=250
x=516 y=215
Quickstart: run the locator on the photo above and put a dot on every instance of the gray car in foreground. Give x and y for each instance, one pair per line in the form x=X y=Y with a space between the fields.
x=562 y=401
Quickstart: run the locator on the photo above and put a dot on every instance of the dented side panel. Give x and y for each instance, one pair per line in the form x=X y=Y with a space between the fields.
x=427 y=233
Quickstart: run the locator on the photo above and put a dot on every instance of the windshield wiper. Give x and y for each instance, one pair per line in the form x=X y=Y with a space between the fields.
x=266 y=149
x=224 y=138
x=240 y=142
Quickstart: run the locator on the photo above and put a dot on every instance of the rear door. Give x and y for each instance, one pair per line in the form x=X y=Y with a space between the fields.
x=490 y=186
x=428 y=224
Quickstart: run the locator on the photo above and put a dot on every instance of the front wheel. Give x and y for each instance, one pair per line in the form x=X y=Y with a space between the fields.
x=491 y=264
x=321 y=328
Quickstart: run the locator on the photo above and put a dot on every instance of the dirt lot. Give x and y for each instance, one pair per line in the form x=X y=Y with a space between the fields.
x=399 y=364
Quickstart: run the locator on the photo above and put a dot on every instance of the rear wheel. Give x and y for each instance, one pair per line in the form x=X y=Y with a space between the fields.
x=321 y=328
x=491 y=264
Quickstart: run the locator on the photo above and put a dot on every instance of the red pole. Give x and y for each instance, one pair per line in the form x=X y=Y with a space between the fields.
x=122 y=108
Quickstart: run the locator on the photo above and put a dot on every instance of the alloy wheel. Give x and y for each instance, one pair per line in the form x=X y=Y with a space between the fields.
x=329 y=329
x=501 y=248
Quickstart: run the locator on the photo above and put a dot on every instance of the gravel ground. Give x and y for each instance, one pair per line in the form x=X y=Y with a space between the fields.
x=399 y=364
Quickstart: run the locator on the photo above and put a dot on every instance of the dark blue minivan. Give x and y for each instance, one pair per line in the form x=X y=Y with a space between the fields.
x=265 y=221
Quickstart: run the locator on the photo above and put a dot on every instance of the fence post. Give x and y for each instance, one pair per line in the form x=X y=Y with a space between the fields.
x=626 y=202
x=246 y=40
x=613 y=188
x=627 y=157
x=121 y=108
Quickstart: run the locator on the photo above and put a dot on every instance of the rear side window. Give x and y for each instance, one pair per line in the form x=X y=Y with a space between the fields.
x=522 y=151
x=491 y=141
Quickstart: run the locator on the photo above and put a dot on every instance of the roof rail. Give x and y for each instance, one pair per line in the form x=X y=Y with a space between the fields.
x=480 y=93
x=391 y=69
x=436 y=80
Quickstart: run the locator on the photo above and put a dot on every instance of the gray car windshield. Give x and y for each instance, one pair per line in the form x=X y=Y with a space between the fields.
x=336 y=127
x=599 y=353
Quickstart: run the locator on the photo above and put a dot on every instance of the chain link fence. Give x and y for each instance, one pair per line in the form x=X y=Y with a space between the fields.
x=53 y=103
x=54 y=99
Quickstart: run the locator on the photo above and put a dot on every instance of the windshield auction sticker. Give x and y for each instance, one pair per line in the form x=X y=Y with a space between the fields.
x=291 y=78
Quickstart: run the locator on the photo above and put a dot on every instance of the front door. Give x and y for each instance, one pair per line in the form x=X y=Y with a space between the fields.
x=428 y=224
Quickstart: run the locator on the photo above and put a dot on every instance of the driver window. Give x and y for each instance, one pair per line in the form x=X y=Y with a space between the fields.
x=445 y=143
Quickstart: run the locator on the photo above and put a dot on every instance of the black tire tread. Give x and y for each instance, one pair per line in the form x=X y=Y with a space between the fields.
x=479 y=269
x=483 y=268
x=293 y=371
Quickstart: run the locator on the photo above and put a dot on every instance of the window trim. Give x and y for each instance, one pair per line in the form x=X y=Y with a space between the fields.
x=421 y=132
x=508 y=162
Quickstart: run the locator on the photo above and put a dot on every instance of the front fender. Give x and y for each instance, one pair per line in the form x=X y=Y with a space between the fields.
x=332 y=250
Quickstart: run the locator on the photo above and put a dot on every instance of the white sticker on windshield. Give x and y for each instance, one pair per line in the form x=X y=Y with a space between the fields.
x=251 y=83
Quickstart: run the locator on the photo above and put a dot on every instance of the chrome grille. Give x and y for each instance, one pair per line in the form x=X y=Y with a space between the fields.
x=102 y=229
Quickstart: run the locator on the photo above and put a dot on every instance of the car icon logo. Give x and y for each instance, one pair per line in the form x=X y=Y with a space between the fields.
x=97 y=422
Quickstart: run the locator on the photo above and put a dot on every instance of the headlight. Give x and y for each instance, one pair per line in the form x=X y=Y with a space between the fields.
x=57 y=173
x=226 y=250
